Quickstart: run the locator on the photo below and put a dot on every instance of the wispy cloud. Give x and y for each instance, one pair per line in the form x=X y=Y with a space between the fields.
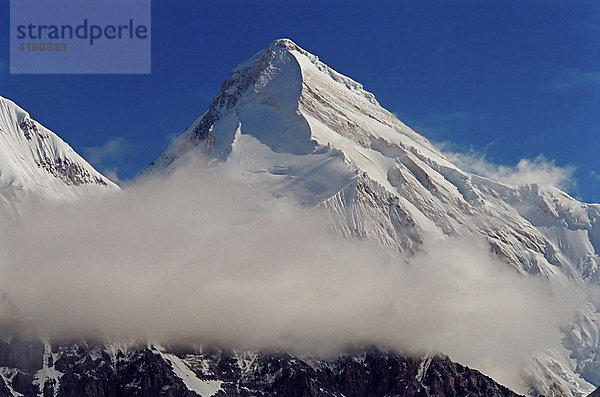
x=112 y=174
x=104 y=156
x=110 y=150
x=574 y=78
x=526 y=171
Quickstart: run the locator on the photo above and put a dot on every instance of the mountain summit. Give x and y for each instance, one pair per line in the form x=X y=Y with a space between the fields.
x=286 y=122
x=291 y=124
x=290 y=90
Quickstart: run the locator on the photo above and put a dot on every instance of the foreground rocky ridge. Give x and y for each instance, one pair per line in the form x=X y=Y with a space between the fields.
x=89 y=370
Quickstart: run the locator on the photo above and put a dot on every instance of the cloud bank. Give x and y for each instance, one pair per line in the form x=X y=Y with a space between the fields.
x=193 y=258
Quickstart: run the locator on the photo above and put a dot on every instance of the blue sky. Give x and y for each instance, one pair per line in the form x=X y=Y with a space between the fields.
x=506 y=80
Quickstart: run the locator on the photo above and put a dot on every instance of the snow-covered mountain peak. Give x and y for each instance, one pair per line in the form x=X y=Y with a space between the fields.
x=291 y=47
x=306 y=103
x=35 y=161
x=287 y=123
x=283 y=43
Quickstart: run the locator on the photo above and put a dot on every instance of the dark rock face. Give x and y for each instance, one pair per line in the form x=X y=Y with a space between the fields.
x=29 y=128
x=72 y=174
x=141 y=373
x=84 y=369
x=22 y=354
x=367 y=374
x=595 y=393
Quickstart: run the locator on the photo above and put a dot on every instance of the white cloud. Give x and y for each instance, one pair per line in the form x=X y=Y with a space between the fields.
x=193 y=258
x=538 y=170
x=111 y=173
x=104 y=156
x=111 y=149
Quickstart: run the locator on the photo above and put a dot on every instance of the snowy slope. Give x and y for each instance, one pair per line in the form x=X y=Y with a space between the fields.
x=36 y=162
x=287 y=123
x=572 y=226
x=291 y=124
